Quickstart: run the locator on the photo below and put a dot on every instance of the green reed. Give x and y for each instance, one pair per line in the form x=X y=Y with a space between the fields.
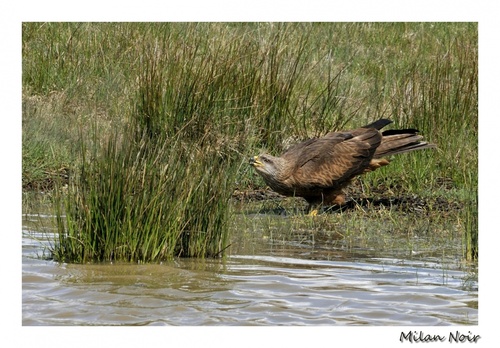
x=159 y=188
x=144 y=202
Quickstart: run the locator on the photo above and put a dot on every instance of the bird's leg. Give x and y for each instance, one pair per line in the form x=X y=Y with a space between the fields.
x=330 y=198
x=313 y=207
x=339 y=199
x=312 y=212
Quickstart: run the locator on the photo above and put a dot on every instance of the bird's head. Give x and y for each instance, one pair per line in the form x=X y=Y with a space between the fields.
x=266 y=165
x=274 y=171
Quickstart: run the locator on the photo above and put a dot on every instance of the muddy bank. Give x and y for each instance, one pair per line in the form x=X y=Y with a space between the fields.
x=407 y=203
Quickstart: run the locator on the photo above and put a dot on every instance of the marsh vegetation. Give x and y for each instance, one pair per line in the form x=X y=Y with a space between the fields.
x=141 y=132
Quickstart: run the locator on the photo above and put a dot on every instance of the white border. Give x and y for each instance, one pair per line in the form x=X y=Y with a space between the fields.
x=14 y=13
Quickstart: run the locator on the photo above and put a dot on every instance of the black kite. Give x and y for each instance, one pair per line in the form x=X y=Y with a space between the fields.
x=319 y=168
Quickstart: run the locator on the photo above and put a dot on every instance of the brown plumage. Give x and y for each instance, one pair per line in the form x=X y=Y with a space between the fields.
x=319 y=168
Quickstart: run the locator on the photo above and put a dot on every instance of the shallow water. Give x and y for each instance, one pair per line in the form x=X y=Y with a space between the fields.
x=258 y=283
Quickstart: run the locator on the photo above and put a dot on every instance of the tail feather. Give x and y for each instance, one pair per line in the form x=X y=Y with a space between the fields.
x=379 y=124
x=400 y=131
x=398 y=142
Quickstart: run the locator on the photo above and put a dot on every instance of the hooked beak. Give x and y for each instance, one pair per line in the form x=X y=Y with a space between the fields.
x=255 y=162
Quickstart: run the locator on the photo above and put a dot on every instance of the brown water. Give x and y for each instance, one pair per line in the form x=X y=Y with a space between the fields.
x=260 y=282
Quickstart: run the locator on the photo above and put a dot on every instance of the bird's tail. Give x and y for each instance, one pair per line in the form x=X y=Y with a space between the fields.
x=400 y=141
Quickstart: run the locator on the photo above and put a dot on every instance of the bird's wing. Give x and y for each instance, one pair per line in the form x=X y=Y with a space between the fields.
x=333 y=159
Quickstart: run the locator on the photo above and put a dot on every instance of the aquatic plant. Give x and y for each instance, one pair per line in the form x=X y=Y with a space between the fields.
x=145 y=202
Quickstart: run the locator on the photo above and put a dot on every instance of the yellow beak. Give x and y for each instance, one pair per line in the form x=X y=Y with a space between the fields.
x=255 y=161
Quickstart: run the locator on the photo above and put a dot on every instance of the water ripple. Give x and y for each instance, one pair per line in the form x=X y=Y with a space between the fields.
x=245 y=290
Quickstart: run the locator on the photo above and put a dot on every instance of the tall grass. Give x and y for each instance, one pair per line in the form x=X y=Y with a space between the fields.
x=165 y=114
x=145 y=202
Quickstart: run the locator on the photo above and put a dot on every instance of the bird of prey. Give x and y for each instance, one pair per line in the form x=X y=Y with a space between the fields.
x=319 y=168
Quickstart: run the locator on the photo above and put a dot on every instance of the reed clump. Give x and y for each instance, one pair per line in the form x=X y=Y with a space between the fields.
x=145 y=202
x=158 y=188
